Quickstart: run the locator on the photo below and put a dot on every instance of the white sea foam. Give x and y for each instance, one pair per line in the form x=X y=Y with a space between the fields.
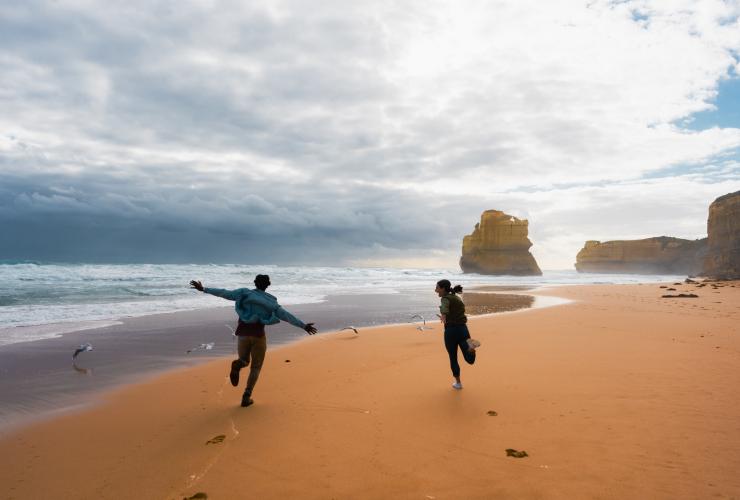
x=39 y=301
x=15 y=334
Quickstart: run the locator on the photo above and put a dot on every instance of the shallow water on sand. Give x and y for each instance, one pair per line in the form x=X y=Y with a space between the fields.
x=40 y=378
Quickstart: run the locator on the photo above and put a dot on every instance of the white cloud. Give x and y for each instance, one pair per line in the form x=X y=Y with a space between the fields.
x=374 y=115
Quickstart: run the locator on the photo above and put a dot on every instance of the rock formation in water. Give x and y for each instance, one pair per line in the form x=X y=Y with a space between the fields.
x=723 y=227
x=499 y=245
x=662 y=255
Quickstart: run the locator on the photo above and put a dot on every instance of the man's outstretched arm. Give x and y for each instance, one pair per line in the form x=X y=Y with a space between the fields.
x=218 y=292
x=286 y=316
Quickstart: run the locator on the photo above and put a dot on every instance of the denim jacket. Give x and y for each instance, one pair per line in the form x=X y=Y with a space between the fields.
x=256 y=306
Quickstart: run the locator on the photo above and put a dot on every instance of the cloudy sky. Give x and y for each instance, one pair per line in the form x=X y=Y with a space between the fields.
x=359 y=133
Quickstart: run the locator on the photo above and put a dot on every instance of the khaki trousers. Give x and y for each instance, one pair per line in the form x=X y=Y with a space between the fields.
x=252 y=351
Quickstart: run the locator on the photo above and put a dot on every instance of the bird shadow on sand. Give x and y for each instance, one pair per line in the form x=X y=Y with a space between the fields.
x=198 y=496
x=82 y=370
x=217 y=439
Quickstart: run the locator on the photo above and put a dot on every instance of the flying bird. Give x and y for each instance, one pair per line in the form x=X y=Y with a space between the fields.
x=420 y=317
x=350 y=328
x=83 y=348
x=424 y=325
x=206 y=347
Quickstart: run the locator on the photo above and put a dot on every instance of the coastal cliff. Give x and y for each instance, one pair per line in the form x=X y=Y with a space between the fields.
x=723 y=227
x=499 y=244
x=650 y=256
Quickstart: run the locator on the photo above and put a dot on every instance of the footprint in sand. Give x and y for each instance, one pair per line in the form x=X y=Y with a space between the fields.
x=511 y=452
x=491 y=413
x=198 y=496
x=216 y=440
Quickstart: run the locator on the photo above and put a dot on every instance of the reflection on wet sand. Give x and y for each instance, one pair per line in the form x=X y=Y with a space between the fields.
x=84 y=371
x=487 y=303
x=501 y=288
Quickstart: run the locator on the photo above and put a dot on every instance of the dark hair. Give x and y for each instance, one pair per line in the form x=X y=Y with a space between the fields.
x=448 y=286
x=262 y=281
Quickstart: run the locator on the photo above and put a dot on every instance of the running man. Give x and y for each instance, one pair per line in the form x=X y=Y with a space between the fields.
x=255 y=308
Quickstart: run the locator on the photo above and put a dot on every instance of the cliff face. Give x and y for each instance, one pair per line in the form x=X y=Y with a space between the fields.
x=662 y=255
x=499 y=245
x=723 y=227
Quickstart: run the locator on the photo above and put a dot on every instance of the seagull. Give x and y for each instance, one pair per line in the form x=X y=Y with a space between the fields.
x=83 y=348
x=206 y=347
x=424 y=326
x=233 y=335
x=350 y=328
x=420 y=317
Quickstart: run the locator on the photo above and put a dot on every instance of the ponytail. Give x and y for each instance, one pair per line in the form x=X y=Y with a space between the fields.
x=447 y=286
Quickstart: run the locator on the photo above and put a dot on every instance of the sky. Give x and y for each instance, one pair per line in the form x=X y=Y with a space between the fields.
x=364 y=133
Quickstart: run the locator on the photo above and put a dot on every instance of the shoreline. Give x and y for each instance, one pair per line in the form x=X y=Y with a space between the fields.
x=71 y=327
x=40 y=381
x=620 y=393
x=20 y=323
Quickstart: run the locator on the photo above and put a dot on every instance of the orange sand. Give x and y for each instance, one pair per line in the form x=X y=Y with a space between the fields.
x=620 y=394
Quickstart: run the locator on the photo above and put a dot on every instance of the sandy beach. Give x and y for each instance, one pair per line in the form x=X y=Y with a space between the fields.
x=37 y=378
x=619 y=394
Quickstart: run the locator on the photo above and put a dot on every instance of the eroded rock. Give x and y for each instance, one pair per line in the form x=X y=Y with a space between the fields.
x=499 y=244
x=723 y=227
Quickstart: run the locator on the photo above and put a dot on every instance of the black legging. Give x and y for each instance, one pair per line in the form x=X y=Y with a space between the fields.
x=457 y=335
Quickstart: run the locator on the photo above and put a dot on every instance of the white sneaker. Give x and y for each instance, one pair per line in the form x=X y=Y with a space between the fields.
x=457 y=385
x=473 y=344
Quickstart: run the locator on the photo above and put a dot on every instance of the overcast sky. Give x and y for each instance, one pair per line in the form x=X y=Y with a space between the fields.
x=359 y=133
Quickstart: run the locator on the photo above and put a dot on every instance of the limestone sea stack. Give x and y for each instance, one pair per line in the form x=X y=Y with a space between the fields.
x=723 y=227
x=661 y=255
x=499 y=245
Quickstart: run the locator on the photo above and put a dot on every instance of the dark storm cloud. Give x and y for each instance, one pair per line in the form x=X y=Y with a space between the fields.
x=97 y=218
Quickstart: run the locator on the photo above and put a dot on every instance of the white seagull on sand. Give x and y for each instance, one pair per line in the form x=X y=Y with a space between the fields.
x=83 y=348
x=206 y=347
x=424 y=325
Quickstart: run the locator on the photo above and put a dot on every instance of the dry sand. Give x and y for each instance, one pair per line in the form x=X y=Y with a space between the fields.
x=619 y=394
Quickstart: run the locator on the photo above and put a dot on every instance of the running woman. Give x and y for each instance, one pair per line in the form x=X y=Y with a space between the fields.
x=452 y=316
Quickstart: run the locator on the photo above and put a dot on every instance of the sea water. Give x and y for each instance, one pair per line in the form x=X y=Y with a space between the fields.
x=43 y=300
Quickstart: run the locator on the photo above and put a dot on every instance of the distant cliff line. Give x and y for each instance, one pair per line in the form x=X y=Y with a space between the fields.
x=716 y=256
x=661 y=255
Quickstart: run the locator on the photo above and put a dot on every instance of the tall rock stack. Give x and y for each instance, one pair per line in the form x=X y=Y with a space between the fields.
x=723 y=227
x=499 y=245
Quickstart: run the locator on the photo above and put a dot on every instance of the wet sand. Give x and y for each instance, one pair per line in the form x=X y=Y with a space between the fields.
x=38 y=379
x=490 y=303
x=619 y=394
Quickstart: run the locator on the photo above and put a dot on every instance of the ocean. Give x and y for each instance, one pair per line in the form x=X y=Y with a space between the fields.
x=45 y=300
